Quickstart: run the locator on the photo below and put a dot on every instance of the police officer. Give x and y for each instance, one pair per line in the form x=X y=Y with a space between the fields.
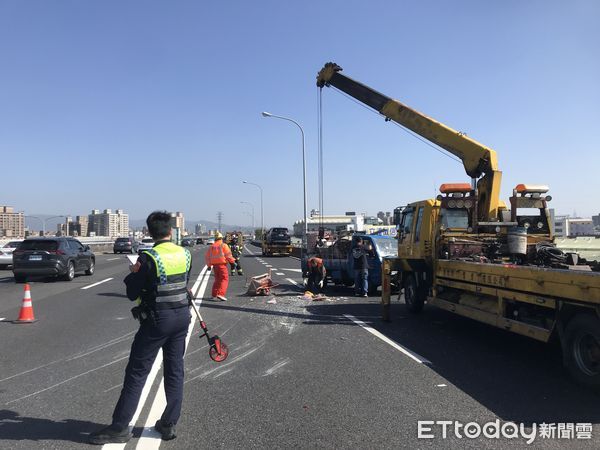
x=158 y=281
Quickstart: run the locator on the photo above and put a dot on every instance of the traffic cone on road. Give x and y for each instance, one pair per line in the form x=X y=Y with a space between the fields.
x=26 y=314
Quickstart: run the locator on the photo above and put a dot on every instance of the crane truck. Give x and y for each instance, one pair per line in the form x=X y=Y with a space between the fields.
x=468 y=252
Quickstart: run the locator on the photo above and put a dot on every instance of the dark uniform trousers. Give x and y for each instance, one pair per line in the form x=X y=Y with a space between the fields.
x=168 y=332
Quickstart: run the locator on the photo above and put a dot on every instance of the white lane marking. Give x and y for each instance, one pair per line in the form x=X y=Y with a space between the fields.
x=6 y=278
x=112 y=259
x=292 y=281
x=150 y=439
x=412 y=355
x=102 y=346
x=96 y=284
x=279 y=273
x=149 y=382
x=248 y=250
x=295 y=257
x=1 y=319
x=67 y=380
x=268 y=265
x=292 y=270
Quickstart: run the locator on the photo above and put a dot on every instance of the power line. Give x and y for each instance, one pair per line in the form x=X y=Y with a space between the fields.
x=406 y=130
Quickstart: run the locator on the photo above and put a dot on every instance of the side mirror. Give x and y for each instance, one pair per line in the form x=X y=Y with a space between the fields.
x=86 y=248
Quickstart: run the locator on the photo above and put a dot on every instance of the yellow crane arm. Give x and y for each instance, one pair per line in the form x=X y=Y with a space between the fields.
x=478 y=160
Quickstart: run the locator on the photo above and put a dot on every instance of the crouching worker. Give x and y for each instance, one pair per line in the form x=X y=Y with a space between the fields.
x=158 y=281
x=316 y=275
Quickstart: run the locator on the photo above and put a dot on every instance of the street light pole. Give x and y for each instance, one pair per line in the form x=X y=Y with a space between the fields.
x=252 y=206
x=43 y=222
x=266 y=114
x=262 y=215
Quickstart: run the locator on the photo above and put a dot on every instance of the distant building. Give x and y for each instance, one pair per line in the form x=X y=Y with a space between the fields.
x=333 y=223
x=200 y=229
x=107 y=223
x=12 y=224
x=596 y=220
x=580 y=227
x=178 y=221
x=566 y=226
x=385 y=217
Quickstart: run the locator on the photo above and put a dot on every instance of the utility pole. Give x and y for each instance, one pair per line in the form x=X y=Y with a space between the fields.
x=219 y=220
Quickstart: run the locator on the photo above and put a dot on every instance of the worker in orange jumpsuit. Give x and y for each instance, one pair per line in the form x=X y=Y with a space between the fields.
x=217 y=256
x=316 y=275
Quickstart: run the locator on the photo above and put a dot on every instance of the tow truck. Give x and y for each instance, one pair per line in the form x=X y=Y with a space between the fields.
x=467 y=252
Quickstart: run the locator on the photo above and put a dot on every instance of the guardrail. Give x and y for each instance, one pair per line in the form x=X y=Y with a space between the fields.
x=96 y=243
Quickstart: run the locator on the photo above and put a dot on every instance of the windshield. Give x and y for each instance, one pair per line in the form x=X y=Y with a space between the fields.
x=147 y=241
x=48 y=246
x=13 y=244
x=386 y=247
x=455 y=218
x=123 y=240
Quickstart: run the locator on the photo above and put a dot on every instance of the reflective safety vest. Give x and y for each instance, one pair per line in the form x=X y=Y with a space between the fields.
x=172 y=267
x=218 y=253
x=315 y=265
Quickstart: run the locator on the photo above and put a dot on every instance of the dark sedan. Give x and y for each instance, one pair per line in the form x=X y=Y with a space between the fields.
x=54 y=257
x=125 y=244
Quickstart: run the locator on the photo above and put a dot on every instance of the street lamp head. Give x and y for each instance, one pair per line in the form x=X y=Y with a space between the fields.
x=266 y=114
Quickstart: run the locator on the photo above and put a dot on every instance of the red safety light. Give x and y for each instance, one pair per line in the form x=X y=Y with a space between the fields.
x=56 y=252
x=448 y=188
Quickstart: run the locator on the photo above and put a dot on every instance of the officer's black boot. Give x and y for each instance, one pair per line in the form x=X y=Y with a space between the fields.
x=110 y=435
x=167 y=432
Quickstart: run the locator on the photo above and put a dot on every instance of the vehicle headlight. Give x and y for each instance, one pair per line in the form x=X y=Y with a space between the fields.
x=460 y=204
x=451 y=203
x=540 y=225
x=468 y=203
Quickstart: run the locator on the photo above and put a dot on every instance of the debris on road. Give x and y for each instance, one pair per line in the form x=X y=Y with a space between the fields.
x=261 y=284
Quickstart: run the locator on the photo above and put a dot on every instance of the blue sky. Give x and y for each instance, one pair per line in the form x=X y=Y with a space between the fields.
x=99 y=100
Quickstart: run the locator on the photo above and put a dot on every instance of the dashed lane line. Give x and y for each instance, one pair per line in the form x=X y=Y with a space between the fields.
x=279 y=273
x=412 y=355
x=292 y=270
x=292 y=281
x=112 y=259
x=96 y=284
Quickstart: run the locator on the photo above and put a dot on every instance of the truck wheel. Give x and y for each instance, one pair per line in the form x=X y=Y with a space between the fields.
x=413 y=296
x=582 y=350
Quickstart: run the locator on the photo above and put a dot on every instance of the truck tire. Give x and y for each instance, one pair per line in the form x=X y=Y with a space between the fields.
x=582 y=350
x=413 y=295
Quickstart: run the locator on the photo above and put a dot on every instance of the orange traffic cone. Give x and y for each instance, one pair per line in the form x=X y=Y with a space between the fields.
x=26 y=314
